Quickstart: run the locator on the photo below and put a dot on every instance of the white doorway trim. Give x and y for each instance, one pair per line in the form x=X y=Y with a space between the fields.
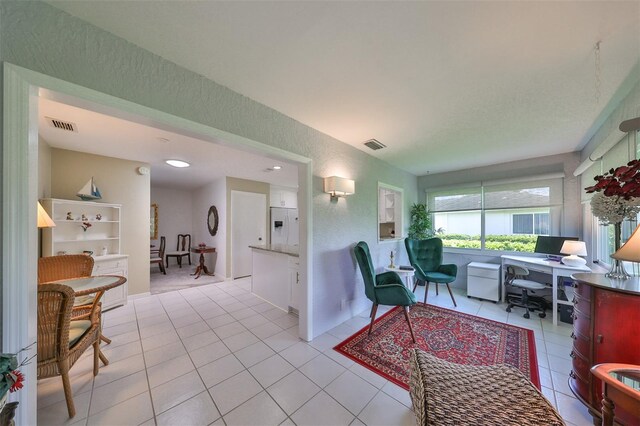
x=21 y=90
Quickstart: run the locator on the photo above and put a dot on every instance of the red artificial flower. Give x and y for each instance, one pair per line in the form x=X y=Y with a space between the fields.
x=17 y=378
x=623 y=181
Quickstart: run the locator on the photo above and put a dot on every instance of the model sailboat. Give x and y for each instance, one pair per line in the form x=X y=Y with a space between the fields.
x=89 y=191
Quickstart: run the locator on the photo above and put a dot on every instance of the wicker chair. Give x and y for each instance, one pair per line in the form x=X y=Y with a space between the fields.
x=62 y=341
x=447 y=394
x=64 y=267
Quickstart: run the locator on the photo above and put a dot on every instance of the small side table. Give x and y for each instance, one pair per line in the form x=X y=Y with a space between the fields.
x=620 y=389
x=407 y=273
x=202 y=267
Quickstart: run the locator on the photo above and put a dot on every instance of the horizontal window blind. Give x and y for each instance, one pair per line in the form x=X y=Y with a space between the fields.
x=538 y=193
x=455 y=199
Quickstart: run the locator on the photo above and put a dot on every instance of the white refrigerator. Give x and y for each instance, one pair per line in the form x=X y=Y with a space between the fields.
x=284 y=226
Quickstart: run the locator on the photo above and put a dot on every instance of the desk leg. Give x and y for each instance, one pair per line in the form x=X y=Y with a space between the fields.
x=554 y=297
x=503 y=288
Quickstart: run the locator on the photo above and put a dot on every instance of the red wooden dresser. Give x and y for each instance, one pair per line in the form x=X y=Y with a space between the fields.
x=606 y=328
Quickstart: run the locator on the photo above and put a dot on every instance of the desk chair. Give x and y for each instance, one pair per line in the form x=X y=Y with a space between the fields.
x=516 y=277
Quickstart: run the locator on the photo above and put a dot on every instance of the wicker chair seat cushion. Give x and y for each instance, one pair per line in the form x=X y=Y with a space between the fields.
x=77 y=330
x=445 y=393
x=83 y=300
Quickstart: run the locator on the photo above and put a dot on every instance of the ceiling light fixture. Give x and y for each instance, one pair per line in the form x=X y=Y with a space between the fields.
x=177 y=163
x=277 y=167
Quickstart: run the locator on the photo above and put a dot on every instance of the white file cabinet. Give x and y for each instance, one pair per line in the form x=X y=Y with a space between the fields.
x=483 y=281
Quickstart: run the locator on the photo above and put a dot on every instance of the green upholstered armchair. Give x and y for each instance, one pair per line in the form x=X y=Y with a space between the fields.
x=383 y=289
x=426 y=258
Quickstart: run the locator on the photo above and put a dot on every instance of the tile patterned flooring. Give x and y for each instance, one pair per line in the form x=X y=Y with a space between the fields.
x=218 y=355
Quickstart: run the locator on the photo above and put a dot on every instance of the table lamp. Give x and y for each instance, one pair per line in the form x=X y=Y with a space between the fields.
x=574 y=249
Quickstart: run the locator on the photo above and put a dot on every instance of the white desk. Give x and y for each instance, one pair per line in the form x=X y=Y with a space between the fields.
x=408 y=274
x=541 y=264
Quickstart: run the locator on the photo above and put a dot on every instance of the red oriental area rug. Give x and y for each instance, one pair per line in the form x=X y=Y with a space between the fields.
x=450 y=335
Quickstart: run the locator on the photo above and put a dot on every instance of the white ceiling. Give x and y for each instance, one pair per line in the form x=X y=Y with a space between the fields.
x=445 y=85
x=102 y=134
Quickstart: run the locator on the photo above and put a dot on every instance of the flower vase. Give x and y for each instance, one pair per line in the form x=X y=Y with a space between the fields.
x=617 y=271
x=3 y=400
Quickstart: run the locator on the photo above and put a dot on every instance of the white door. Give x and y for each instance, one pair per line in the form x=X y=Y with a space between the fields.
x=248 y=227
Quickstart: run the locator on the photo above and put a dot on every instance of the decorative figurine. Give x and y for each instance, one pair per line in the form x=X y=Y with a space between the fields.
x=104 y=251
x=84 y=217
x=391 y=265
x=98 y=216
x=69 y=216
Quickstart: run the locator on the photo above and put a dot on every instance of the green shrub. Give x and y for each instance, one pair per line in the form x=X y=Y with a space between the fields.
x=523 y=243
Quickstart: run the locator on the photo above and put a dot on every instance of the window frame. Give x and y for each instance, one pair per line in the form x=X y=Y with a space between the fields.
x=554 y=218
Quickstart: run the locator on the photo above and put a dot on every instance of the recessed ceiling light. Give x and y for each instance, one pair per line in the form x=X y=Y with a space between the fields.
x=277 y=167
x=177 y=163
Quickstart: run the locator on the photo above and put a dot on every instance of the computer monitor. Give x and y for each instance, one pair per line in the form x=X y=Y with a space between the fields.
x=551 y=245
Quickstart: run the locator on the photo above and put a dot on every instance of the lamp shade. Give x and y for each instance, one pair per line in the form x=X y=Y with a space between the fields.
x=630 y=251
x=577 y=248
x=44 y=221
x=339 y=187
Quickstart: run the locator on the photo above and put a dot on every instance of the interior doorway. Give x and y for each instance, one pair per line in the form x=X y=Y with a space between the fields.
x=248 y=227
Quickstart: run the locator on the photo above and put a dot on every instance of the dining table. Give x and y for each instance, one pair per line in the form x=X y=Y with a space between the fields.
x=95 y=284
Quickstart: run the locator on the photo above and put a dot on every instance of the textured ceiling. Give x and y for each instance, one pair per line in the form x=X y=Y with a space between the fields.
x=445 y=85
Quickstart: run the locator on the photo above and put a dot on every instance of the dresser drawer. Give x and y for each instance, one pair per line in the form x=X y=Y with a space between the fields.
x=579 y=385
x=109 y=266
x=583 y=291
x=582 y=345
x=581 y=367
x=581 y=323
x=582 y=305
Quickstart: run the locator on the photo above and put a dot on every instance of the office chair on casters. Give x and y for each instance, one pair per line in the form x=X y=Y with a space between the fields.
x=516 y=277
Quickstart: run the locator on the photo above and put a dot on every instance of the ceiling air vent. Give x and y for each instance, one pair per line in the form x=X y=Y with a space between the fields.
x=62 y=125
x=374 y=144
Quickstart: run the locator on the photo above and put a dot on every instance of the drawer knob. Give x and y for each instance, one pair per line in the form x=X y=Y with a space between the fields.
x=600 y=338
x=574 y=300
x=572 y=355
x=572 y=374
x=574 y=316
x=573 y=336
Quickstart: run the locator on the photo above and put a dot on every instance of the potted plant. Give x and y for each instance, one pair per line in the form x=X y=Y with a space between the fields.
x=421 y=227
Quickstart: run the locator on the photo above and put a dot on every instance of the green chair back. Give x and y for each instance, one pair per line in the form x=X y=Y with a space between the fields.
x=363 y=257
x=425 y=253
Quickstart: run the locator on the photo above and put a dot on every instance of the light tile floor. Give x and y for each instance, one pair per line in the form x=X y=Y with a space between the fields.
x=218 y=355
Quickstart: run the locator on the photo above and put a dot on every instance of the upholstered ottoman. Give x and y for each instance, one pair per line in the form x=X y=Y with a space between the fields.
x=444 y=393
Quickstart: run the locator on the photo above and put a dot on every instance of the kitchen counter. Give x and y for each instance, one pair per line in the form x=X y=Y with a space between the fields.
x=275 y=276
x=279 y=248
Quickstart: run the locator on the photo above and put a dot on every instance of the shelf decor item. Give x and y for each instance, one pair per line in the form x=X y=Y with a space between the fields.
x=85 y=226
x=617 y=199
x=89 y=191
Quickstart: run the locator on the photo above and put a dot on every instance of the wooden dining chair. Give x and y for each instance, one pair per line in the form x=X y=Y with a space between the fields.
x=62 y=341
x=159 y=258
x=183 y=248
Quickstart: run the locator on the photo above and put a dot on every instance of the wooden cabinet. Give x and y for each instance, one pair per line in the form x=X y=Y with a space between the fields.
x=283 y=197
x=275 y=277
x=87 y=226
x=117 y=264
x=605 y=322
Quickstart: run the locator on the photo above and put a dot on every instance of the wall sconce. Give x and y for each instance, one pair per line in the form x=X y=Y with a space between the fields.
x=339 y=187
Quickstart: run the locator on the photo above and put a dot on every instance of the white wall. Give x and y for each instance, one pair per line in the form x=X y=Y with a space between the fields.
x=175 y=217
x=37 y=36
x=212 y=194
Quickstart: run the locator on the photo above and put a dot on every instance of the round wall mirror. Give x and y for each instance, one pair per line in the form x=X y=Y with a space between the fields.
x=212 y=220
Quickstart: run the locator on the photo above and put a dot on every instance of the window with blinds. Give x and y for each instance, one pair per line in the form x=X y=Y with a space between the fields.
x=502 y=215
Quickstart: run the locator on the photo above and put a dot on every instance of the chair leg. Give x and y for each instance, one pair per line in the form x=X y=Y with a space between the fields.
x=436 y=285
x=451 y=294
x=426 y=290
x=96 y=357
x=189 y=257
x=373 y=316
x=105 y=339
x=103 y=358
x=162 y=269
x=63 y=366
x=372 y=307
x=415 y=284
x=166 y=260
x=406 y=315
x=180 y=261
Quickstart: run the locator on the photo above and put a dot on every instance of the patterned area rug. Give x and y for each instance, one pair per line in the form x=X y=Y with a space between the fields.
x=450 y=335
